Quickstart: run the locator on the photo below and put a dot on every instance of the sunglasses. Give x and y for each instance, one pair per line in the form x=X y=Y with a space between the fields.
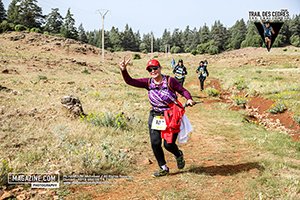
x=152 y=69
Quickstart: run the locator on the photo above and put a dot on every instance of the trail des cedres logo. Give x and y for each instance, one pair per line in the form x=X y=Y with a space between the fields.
x=36 y=180
x=268 y=24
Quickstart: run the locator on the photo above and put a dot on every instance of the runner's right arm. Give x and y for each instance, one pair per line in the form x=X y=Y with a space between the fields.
x=140 y=83
x=174 y=70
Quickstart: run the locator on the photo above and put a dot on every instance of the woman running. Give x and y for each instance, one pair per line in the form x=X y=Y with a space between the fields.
x=161 y=92
x=203 y=73
x=180 y=72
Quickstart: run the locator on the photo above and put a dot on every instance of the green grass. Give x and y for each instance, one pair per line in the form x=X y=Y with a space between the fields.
x=297 y=118
x=277 y=82
x=212 y=92
x=239 y=100
x=277 y=154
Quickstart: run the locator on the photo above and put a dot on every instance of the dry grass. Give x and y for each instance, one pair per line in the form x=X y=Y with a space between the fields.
x=226 y=157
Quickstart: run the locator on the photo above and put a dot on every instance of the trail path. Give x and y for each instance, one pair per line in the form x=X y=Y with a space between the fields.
x=216 y=168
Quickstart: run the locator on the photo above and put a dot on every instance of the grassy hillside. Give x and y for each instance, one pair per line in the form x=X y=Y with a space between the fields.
x=227 y=157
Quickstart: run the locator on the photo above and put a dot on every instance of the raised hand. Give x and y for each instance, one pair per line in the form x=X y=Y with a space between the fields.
x=123 y=64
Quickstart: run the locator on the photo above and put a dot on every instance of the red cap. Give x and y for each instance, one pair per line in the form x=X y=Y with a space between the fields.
x=153 y=63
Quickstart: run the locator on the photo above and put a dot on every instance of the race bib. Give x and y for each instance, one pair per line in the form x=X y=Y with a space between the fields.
x=159 y=123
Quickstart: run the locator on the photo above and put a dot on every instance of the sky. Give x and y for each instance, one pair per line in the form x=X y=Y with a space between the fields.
x=157 y=15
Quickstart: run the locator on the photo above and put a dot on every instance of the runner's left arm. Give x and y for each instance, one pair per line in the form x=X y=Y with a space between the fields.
x=177 y=87
x=206 y=71
x=185 y=71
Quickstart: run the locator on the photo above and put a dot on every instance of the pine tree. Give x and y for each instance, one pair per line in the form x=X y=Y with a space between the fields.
x=94 y=38
x=165 y=40
x=204 y=34
x=252 y=38
x=137 y=41
x=68 y=28
x=283 y=38
x=237 y=34
x=54 y=21
x=13 y=15
x=295 y=30
x=295 y=25
x=177 y=41
x=30 y=14
x=81 y=34
x=115 y=39
x=2 y=12
x=157 y=44
x=191 y=39
x=219 y=36
x=145 y=45
x=129 y=42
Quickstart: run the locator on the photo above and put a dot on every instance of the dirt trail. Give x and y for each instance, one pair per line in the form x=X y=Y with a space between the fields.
x=203 y=160
x=213 y=165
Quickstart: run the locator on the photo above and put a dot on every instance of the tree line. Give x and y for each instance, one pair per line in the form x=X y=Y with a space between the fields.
x=26 y=15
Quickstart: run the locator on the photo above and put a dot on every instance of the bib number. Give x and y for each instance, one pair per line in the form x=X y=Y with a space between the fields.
x=159 y=123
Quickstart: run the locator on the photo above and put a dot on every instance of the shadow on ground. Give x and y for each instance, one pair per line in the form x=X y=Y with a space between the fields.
x=223 y=170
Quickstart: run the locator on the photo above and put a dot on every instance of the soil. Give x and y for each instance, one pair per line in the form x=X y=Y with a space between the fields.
x=263 y=105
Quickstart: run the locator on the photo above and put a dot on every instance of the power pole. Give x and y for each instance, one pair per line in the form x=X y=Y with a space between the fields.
x=103 y=12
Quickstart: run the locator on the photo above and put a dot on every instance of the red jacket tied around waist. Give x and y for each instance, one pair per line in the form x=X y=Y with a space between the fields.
x=173 y=117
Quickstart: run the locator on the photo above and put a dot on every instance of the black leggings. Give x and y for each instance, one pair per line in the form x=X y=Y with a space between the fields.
x=156 y=141
x=202 y=79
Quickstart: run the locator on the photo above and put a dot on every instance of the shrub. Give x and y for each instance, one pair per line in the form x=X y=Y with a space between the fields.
x=86 y=71
x=278 y=107
x=240 y=84
x=5 y=26
x=240 y=100
x=279 y=41
x=42 y=77
x=202 y=48
x=194 y=52
x=175 y=49
x=20 y=27
x=143 y=47
x=212 y=92
x=136 y=56
x=213 y=50
x=278 y=78
x=4 y=170
x=295 y=40
x=36 y=30
x=297 y=118
x=118 y=121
